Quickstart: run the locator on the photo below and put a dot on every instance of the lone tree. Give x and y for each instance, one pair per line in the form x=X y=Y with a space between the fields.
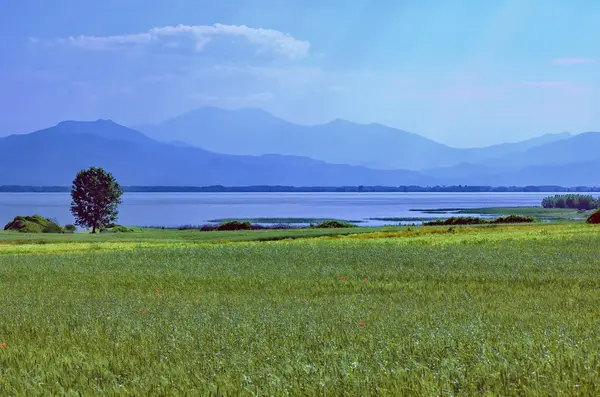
x=95 y=196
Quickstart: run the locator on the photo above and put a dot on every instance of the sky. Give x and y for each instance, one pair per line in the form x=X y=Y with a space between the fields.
x=461 y=72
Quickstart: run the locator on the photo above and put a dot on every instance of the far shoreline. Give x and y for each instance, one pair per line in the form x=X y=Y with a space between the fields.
x=316 y=189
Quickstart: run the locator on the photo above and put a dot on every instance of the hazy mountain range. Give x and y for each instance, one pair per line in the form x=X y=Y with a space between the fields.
x=251 y=147
x=54 y=155
x=256 y=132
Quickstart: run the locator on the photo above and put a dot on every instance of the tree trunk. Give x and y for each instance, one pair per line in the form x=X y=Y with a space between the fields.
x=94 y=229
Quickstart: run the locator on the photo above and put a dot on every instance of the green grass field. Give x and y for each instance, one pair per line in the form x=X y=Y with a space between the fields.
x=492 y=310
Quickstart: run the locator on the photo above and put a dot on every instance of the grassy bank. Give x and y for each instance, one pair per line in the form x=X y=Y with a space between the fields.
x=151 y=236
x=493 y=310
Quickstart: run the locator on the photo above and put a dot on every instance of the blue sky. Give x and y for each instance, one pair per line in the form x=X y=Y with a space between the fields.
x=465 y=73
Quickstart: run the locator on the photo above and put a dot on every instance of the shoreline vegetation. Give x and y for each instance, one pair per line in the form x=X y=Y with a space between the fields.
x=12 y=242
x=317 y=189
x=289 y=220
x=457 y=216
x=566 y=207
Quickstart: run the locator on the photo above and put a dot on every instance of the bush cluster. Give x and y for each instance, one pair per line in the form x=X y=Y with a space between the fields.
x=334 y=224
x=33 y=224
x=245 y=225
x=467 y=220
x=574 y=201
x=594 y=218
x=229 y=226
x=115 y=228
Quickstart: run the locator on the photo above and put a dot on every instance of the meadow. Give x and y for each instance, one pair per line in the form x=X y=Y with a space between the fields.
x=482 y=310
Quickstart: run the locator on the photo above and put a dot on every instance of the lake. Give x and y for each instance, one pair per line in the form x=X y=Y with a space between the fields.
x=176 y=209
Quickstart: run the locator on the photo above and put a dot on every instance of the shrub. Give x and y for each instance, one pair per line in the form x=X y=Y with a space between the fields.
x=114 y=228
x=334 y=224
x=121 y=229
x=235 y=225
x=574 y=201
x=52 y=228
x=466 y=220
x=594 y=218
x=33 y=224
x=70 y=228
x=462 y=220
x=514 y=219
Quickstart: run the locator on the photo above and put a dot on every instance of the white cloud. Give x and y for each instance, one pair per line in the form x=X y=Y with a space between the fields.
x=107 y=42
x=266 y=40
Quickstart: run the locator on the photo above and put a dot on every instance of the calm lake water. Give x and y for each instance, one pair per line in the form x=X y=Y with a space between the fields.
x=175 y=209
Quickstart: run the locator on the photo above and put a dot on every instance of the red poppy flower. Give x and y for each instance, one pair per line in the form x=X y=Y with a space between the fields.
x=366 y=279
x=361 y=324
x=3 y=346
x=144 y=313
x=156 y=292
x=344 y=278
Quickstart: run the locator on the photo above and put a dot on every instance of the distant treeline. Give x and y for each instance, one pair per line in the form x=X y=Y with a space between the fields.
x=309 y=189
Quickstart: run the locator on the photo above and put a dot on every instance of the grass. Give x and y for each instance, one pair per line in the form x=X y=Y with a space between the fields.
x=14 y=242
x=482 y=310
x=547 y=214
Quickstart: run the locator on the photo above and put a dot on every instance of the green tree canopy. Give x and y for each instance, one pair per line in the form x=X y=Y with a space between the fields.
x=95 y=196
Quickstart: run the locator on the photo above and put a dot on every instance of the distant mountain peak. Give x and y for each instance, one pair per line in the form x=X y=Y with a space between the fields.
x=104 y=128
x=88 y=122
x=340 y=121
x=105 y=121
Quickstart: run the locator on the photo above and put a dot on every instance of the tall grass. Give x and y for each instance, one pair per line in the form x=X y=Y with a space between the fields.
x=479 y=315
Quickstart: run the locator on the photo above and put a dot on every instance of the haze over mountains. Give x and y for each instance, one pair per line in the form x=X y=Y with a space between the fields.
x=256 y=132
x=54 y=155
x=251 y=147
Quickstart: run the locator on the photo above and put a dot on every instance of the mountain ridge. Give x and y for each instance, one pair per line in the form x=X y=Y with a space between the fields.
x=249 y=131
x=53 y=156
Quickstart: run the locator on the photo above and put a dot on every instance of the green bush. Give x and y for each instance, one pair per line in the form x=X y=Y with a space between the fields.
x=70 y=228
x=52 y=228
x=467 y=220
x=334 y=224
x=235 y=225
x=514 y=219
x=574 y=201
x=594 y=218
x=461 y=220
x=122 y=229
x=33 y=224
x=114 y=228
